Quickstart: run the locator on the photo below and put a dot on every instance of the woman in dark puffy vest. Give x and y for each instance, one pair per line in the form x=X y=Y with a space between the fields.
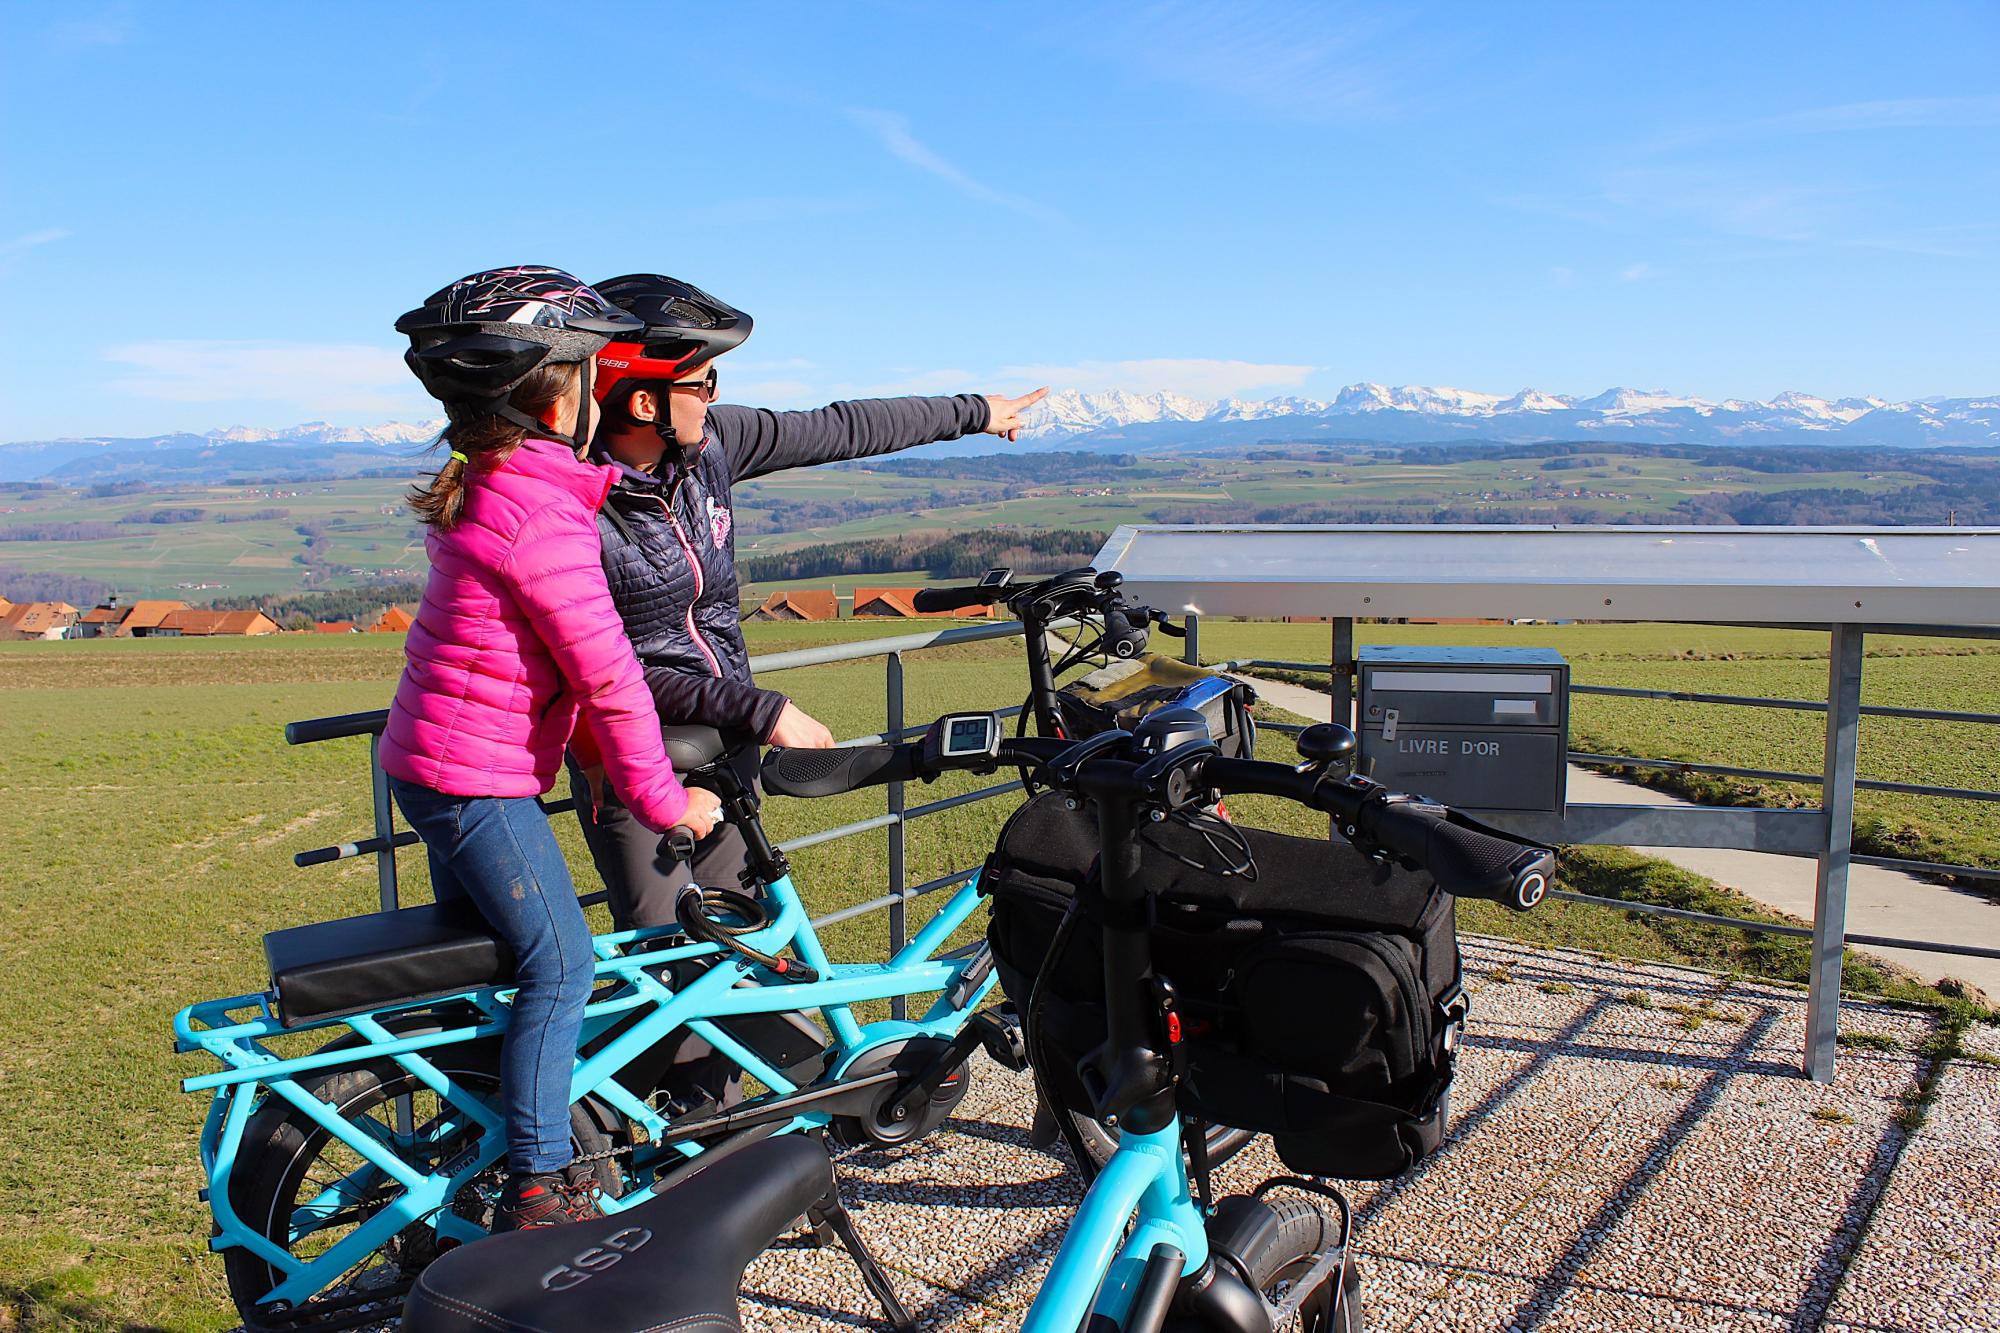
x=669 y=547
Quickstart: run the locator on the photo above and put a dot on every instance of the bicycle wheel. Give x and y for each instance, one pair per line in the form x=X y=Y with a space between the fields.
x=304 y=1190
x=1303 y=1233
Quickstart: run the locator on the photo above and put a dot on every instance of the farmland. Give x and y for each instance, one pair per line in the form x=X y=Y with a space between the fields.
x=256 y=539
x=1906 y=671
x=153 y=809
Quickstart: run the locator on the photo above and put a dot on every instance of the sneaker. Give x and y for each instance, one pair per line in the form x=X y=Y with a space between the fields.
x=548 y=1200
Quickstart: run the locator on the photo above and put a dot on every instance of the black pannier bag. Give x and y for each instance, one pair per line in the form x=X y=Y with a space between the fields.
x=1321 y=1001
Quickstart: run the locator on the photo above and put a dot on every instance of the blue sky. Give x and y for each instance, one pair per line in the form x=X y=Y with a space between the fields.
x=211 y=213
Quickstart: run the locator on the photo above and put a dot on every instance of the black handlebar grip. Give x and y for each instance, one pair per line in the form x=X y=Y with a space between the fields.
x=951 y=599
x=1466 y=862
x=796 y=772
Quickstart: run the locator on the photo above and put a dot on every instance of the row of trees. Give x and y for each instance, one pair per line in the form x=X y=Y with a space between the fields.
x=965 y=555
x=37 y=585
x=1050 y=469
x=302 y=609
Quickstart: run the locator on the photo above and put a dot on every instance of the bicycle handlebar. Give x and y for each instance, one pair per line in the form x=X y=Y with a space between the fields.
x=796 y=772
x=1467 y=859
x=952 y=599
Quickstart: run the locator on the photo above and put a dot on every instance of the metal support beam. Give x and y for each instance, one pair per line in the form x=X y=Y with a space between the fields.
x=1343 y=670
x=1753 y=828
x=899 y=1006
x=1843 y=727
x=385 y=827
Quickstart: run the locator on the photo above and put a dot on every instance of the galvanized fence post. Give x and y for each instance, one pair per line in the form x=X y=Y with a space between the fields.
x=1342 y=680
x=1192 y=654
x=1843 y=726
x=898 y=870
x=385 y=827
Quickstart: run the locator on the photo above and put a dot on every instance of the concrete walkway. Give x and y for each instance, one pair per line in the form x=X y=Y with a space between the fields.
x=1632 y=1148
x=1880 y=902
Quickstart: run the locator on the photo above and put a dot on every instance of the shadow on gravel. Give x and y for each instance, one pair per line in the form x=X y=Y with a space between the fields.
x=1543 y=1051
x=1599 y=1228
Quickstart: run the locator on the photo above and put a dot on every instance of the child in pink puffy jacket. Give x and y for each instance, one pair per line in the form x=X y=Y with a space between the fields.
x=516 y=653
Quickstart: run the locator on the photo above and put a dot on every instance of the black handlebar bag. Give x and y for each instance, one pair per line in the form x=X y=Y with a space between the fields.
x=1120 y=693
x=1321 y=1000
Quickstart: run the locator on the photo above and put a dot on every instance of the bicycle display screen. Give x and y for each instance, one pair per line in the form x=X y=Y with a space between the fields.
x=964 y=736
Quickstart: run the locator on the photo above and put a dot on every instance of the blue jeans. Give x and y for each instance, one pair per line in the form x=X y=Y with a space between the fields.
x=500 y=852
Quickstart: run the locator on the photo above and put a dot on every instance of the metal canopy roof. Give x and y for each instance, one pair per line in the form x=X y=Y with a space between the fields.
x=1814 y=576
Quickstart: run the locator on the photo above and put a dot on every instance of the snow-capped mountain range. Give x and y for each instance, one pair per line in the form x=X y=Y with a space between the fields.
x=1153 y=422
x=1410 y=413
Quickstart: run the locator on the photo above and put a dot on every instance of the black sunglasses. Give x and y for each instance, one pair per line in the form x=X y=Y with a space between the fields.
x=705 y=386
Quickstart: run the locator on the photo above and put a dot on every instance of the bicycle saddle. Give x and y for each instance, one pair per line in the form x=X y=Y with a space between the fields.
x=674 y=1262
x=693 y=747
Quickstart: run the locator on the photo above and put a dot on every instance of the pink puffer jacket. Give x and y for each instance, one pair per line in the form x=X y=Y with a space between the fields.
x=516 y=637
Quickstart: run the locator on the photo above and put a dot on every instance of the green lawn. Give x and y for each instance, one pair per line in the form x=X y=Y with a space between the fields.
x=152 y=809
x=369 y=535
x=1900 y=670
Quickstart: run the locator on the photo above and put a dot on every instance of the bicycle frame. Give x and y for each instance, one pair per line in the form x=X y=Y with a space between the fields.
x=1143 y=1185
x=253 y=1071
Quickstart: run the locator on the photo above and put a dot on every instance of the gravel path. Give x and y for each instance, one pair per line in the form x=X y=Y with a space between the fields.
x=1615 y=1165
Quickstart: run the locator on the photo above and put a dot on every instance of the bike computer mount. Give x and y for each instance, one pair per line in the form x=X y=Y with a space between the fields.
x=963 y=740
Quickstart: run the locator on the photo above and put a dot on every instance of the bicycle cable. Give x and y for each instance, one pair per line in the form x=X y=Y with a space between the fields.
x=1224 y=839
x=694 y=906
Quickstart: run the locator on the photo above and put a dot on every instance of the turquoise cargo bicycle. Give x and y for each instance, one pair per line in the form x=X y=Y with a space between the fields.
x=353 y=1132
x=1149 y=1249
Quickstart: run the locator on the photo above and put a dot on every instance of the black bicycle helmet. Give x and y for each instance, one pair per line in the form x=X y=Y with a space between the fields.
x=684 y=329
x=472 y=343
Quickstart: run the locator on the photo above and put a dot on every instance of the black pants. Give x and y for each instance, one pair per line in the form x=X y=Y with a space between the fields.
x=640 y=871
x=643 y=877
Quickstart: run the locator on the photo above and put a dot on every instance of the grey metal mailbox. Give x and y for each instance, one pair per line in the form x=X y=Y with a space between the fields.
x=1481 y=728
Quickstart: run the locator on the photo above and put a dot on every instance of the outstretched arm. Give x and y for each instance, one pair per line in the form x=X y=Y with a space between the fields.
x=757 y=441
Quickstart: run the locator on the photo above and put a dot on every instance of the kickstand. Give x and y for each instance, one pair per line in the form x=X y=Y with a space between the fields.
x=829 y=1214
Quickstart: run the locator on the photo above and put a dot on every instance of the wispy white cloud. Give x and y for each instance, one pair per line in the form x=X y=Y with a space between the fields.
x=1562 y=275
x=314 y=378
x=1316 y=61
x=1635 y=272
x=88 y=32
x=12 y=250
x=783 y=393
x=1196 y=377
x=893 y=132
x=1903 y=113
x=1907 y=113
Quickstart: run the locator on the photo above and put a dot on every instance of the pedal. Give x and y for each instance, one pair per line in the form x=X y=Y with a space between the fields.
x=1001 y=1034
x=972 y=978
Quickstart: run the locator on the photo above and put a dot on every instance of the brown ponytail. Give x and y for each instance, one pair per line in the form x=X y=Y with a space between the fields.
x=485 y=440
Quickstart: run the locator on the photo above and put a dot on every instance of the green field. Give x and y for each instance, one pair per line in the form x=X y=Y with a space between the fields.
x=1903 y=671
x=153 y=808
x=367 y=536
x=1156 y=488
